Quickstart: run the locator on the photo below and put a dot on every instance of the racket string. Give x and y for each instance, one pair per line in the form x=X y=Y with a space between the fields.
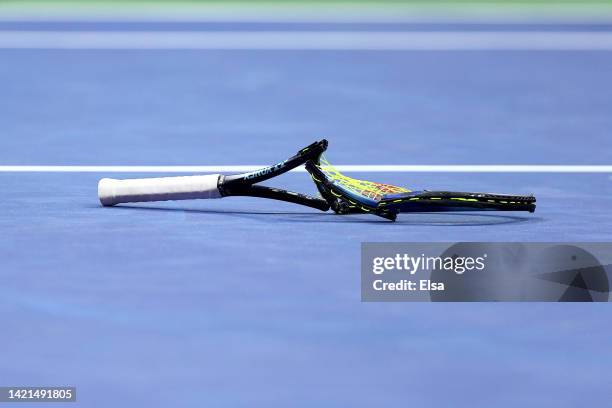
x=371 y=190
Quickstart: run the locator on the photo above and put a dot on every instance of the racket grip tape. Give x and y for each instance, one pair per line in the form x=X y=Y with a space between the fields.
x=112 y=191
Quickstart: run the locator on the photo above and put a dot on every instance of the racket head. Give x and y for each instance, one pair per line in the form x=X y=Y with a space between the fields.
x=348 y=195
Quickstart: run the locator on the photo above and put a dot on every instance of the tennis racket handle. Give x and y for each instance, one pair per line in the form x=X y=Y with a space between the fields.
x=112 y=191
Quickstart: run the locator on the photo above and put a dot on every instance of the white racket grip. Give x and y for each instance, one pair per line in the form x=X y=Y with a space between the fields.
x=112 y=191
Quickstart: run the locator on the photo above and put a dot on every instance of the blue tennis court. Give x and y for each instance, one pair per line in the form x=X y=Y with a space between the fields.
x=251 y=302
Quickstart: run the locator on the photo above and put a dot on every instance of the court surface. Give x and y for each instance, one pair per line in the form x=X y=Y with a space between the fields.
x=248 y=302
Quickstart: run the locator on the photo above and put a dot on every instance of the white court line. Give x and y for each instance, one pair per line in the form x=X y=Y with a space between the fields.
x=307 y=40
x=369 y=168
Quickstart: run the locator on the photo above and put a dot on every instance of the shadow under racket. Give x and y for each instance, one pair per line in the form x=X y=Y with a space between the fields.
x=448 y=219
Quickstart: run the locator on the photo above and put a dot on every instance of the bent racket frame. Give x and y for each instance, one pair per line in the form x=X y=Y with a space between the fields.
x=112 y=192
x=351 y=196
x=339 y=200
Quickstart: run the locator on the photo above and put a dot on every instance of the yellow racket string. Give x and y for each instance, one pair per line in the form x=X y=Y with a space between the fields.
x=369 y=189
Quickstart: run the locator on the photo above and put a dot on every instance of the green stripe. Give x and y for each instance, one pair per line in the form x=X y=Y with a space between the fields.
x=427 y=4
x=572 y=9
